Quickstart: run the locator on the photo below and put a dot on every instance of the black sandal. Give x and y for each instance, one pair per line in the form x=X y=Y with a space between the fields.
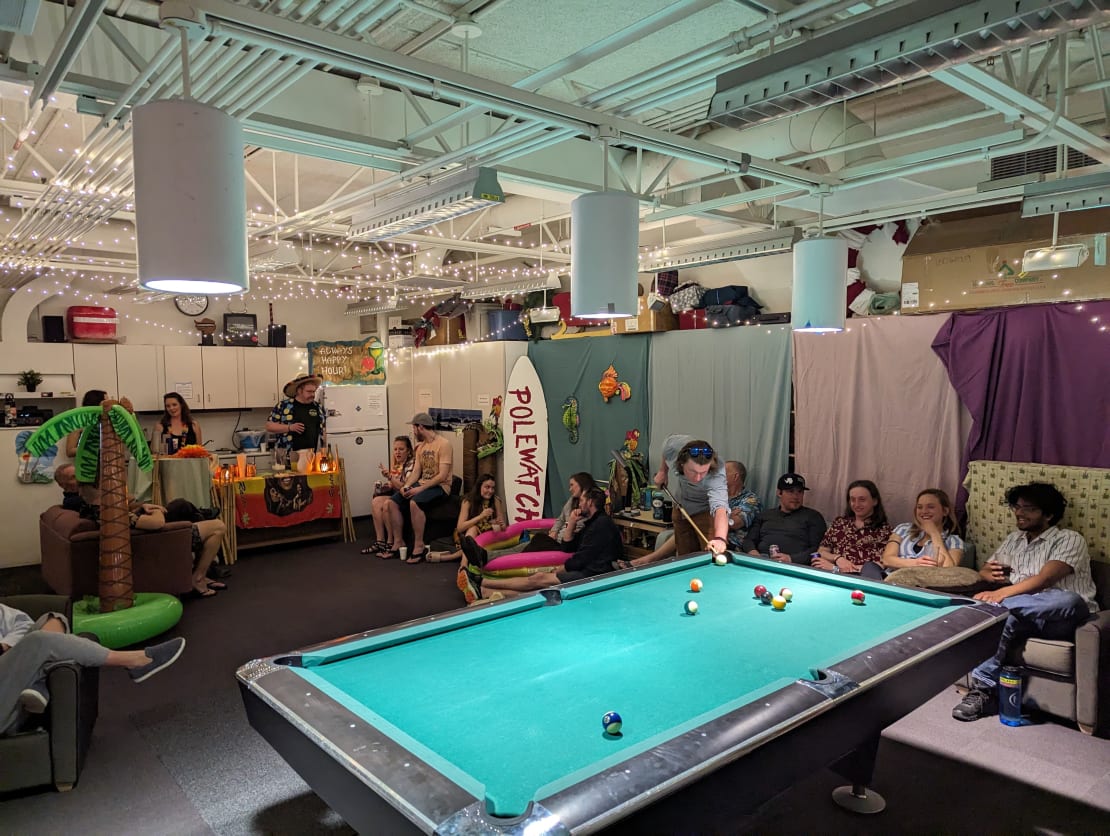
x=418 y=557
x=391 y=554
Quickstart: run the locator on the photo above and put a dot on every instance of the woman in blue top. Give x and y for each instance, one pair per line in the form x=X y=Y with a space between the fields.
x=932 y=539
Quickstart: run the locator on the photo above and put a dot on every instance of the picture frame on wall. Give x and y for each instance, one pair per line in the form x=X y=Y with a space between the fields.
x=240 y=329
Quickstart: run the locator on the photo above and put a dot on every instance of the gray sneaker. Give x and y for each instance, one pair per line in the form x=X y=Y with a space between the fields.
x=977 y=703
x=161 y=656
x=33 y=701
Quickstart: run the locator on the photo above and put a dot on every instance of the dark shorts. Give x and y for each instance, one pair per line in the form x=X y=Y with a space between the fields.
x=426 y=497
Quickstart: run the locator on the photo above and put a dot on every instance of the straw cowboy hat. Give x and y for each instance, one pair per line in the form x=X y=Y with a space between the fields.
x=296 y=383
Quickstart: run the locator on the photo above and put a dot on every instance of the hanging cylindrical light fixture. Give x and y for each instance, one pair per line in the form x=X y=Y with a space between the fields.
x=190 y=198
x=820 y=285
x=604 y=241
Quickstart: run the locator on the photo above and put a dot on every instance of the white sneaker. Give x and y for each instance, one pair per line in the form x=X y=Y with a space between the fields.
x=33 y=701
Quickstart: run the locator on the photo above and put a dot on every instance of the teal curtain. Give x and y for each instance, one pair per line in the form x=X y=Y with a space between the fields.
x=732 y=388
x=574 y=367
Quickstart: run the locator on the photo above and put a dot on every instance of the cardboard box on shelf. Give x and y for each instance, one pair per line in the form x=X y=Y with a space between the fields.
x=646 y=321
x=976 y=262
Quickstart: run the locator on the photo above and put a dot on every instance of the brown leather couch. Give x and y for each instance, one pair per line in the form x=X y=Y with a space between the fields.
x=162 y=561
x=54 y=751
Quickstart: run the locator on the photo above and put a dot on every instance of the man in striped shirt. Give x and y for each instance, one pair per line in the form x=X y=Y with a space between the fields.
x=1045 y=581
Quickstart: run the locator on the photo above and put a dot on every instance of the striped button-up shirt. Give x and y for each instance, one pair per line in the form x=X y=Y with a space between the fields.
x=1028 y=557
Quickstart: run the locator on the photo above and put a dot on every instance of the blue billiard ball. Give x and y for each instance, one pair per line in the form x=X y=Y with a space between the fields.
x=611 y=722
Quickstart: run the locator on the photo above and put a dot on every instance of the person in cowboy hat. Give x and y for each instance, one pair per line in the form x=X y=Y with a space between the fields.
x=297 y=419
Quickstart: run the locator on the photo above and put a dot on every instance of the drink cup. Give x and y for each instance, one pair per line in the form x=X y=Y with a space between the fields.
x=1003 y=562
x=404 y=552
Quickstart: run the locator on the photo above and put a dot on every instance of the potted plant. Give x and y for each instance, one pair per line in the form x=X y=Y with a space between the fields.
x=29 y=379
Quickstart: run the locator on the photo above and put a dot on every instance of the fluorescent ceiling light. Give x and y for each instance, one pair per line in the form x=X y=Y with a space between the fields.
x=427 y=204
x=388 y=306
x=750 y=246
x=273 y=255
x=1090 y=191
x=500 y=289
x=1054 y=258
x=424 y=282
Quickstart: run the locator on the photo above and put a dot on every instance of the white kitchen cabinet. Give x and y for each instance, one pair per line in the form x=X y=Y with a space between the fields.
x=220 y=370
x=260 y=377
x=426 y=387
x=140 y=374
x=454 y=379
x=291 y=363
x=185 y=374
x=94 y=367
x=399 y=392
x=44 y=358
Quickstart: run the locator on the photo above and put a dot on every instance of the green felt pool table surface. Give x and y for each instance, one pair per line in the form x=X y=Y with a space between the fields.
x=532 y=681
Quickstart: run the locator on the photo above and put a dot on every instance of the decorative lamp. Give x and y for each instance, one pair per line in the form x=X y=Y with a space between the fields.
x=605 y=239
x=190 y=198
x=820 y=296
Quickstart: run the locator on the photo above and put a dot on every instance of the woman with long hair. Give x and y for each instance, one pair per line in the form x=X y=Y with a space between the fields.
x=854 y=543
x=482 y=509
x=177 y=424
x=932 y=539
x=393 y=479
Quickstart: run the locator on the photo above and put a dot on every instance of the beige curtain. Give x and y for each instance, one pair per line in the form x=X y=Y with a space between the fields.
x=875 y=403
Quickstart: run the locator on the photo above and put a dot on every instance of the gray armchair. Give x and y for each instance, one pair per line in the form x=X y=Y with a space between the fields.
x=1071 y=679
x=54 y=752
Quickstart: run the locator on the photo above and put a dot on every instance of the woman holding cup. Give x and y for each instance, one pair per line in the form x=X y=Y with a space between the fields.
x=932 y=539
x=393 y=479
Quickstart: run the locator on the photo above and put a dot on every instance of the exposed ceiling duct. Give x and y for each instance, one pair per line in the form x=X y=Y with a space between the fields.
x=893 y=45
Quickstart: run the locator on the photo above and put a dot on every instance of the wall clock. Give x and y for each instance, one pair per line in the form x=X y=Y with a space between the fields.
x=191 y=305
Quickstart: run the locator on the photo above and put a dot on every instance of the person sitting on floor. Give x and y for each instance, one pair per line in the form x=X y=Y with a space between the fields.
x=393 y=479
x=931 y=540
x=855 y=541
x=481 y=510
x=792 y=530
x=1049 y=591
x=28 y=648
x=594 y=549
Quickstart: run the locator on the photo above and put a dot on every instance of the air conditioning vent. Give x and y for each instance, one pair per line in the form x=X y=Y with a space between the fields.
x=1042 y=160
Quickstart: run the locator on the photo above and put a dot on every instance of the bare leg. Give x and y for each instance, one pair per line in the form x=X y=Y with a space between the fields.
x=211 y=535
x=666 y=550
x=380 y=513
x=528 y=583
x=151 y=522
x=418 y=522
x=397 y=522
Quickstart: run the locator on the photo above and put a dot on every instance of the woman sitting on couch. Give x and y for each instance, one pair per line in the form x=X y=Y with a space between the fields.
x=932 y=539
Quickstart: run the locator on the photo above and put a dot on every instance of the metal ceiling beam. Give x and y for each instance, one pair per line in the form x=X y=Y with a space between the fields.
x=890 y=47
x=997 y=94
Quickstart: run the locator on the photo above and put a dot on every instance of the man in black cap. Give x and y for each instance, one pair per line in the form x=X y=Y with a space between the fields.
x=791 y=532
x=428 y=483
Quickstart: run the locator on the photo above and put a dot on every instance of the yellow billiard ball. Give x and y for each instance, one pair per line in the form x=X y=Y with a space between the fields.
x=778 y=602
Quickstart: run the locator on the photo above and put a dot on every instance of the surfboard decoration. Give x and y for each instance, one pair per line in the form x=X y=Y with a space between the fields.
x=524 y=423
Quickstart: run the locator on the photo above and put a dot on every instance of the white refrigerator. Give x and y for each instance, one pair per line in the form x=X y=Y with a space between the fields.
x=358 y=432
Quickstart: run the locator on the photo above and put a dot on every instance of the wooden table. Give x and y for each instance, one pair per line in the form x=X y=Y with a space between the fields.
x=252 y=530
x=639 y=533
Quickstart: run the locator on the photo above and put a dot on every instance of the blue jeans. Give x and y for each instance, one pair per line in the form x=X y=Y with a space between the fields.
x=1048 y=614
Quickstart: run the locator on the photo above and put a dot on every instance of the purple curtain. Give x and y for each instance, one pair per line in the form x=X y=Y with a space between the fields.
x=1035 y=380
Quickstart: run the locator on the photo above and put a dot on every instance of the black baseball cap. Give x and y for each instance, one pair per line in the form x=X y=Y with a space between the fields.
x=791 y=481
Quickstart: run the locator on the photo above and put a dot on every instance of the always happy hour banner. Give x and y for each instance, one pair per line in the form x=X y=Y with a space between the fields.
x=348 y=361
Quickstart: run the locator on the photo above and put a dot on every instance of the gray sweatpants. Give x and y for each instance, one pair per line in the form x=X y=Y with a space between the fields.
x=27 y=663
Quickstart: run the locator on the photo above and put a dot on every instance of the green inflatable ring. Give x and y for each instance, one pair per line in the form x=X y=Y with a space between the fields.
x=152 y=613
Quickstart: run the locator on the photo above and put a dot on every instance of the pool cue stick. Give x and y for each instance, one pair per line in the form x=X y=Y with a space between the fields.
x=701 y=536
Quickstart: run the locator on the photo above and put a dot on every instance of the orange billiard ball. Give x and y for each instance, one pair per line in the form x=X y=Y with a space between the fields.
x=695 y=585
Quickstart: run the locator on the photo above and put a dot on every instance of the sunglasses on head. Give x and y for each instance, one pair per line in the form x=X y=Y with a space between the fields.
x=706 y=452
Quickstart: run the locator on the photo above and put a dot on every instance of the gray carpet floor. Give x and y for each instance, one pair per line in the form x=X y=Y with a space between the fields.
x=177 y=756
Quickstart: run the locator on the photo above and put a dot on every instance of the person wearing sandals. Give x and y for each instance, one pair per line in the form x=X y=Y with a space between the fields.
x=425 y=486
x=393 y=479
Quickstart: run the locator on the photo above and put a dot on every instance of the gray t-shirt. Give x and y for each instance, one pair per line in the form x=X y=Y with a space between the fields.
x=709 y=494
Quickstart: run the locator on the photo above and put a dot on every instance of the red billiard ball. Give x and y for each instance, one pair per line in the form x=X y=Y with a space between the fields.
x=857 y=596
x=759 y=590
x=786 y=594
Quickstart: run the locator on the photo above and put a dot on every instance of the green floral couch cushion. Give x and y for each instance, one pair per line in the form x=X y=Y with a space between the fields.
x=989 y=519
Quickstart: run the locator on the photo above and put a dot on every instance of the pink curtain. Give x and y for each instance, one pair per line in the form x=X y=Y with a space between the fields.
x=875 y=402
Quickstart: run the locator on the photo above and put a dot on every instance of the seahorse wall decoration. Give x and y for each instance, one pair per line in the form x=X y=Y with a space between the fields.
x=609 y=385
x=570 y=418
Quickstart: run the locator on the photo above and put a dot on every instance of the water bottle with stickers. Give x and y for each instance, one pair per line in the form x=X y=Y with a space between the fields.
x=1009 y=696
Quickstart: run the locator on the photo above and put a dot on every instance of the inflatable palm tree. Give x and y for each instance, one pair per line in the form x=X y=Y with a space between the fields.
x=105 y=431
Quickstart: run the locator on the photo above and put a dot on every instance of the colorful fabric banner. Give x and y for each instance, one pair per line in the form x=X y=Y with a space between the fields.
x=286 y=500
x=348 y=362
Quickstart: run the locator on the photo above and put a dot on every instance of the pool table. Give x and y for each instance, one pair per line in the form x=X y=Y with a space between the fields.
x=489 y=719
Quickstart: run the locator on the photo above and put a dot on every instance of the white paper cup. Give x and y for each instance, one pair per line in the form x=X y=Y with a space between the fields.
x=404 y=552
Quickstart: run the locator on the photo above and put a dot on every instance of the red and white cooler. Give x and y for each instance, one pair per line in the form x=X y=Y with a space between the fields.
x=91 y=323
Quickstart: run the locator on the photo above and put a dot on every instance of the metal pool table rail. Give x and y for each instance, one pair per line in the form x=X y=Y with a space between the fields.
x=738 y=759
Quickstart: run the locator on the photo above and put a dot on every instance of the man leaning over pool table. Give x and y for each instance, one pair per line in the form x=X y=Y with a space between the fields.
x=595 y=549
